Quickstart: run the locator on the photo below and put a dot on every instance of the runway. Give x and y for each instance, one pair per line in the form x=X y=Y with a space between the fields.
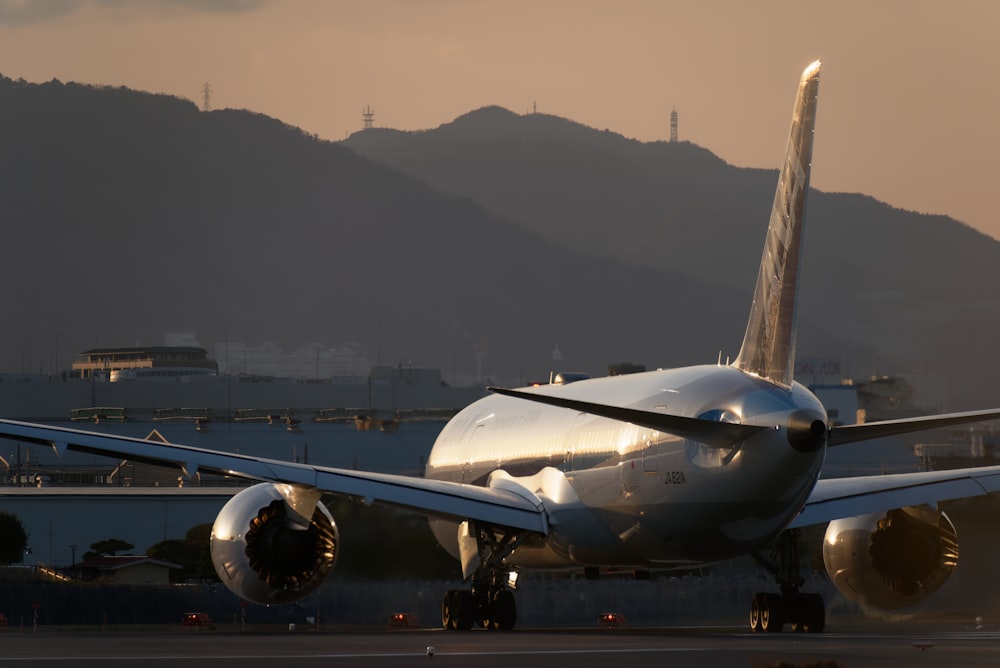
x=674 y=648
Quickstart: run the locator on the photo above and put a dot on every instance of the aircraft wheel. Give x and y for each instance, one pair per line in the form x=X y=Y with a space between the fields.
x=503 y=611
x=771 y=613
x=813 y=613
x=465 y=610
x=449 y=617
x=755 y=613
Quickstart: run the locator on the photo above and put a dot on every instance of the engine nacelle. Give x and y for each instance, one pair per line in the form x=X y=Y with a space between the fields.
x=263 y=555
x=891 y=560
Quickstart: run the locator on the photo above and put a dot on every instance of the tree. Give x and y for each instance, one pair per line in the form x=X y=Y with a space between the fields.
x=13 y=538
x=107 y=547
x=377 y=542
x=192 y=553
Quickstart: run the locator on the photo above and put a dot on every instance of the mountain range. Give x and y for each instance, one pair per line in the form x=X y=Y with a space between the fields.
x=498 y=238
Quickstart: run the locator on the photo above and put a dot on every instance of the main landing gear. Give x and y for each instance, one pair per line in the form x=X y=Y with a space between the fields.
x=770 y=612
x=489 y=603
x=462 y=609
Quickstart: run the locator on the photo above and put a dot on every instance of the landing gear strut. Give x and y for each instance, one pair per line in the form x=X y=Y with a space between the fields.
x=489 y=602
x=770 y=612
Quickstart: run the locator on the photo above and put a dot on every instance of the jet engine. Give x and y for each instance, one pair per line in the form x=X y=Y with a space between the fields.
x=265 y=551
x=891 y=560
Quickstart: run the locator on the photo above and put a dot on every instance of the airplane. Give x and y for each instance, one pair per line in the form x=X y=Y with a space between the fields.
x=664 y=469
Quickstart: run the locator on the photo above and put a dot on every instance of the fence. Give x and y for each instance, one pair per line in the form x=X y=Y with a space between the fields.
x=541 y=602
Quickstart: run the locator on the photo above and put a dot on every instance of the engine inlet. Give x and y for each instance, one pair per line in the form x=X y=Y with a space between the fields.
x=284 y=556
x=909 y=553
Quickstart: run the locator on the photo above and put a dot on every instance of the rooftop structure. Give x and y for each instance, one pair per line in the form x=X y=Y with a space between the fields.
x=153 y=363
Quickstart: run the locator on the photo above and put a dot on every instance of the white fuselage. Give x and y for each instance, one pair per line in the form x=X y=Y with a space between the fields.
x=616 y=494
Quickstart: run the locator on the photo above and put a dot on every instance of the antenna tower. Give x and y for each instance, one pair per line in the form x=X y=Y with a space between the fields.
x=206 y=97
x=368 y=116
x=673 y=126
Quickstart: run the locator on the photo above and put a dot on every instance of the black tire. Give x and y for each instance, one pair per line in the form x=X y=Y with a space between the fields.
x=813 y=613
x=772 y=613
x=503 y=611
x=465 y=610
x=449 y=617
x=755 y=613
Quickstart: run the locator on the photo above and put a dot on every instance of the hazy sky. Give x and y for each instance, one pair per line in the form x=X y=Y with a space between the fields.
x=909 y=96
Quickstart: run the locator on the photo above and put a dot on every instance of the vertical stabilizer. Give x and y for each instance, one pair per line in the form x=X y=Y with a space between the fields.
x=768 y=347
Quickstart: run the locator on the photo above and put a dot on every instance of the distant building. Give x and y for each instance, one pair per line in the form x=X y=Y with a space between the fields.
x=890 y=398
x=840 y=402
x=310 y=361
x=154 y=363
x=126 y=570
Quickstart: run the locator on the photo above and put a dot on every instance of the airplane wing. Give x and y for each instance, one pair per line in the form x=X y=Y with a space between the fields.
x=429 y=497
x=837 y=498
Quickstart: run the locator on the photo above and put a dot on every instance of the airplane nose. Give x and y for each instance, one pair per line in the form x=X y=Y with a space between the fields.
x=806 y=431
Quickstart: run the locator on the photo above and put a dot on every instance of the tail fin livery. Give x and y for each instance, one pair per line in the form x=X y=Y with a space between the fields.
x=768 y=349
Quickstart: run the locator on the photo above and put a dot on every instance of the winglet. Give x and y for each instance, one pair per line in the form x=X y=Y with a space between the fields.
x=768 y=349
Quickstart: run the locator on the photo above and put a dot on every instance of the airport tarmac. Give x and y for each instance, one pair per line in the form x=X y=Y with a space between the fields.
x=636 y=648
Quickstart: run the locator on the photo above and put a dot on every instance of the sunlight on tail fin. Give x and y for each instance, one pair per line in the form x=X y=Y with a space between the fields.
x=768 y=347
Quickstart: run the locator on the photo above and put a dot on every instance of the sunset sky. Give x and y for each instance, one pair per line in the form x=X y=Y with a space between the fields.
x=909 y=96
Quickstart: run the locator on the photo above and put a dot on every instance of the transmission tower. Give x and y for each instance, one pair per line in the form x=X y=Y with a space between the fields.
x=673 y=126
x=368 y=116
x=206 y=97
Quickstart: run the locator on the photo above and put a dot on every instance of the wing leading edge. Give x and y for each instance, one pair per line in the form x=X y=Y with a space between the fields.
x=836 y=498
x=430 y=497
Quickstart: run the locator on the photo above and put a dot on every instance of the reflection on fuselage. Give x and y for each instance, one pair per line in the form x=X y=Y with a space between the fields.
x=642 y=498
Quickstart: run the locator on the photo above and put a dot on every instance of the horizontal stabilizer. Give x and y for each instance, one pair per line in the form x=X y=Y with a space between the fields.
x=709 y=432
x=851 y=433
